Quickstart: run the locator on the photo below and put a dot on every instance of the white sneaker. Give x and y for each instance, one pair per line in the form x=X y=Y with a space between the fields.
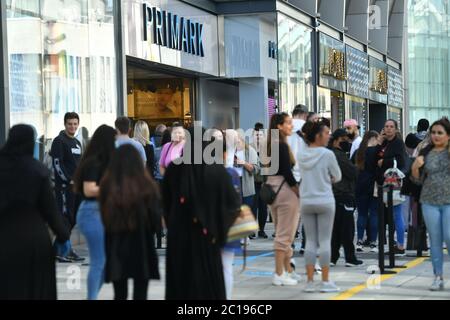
x=310 y=287
x=359 y=246
x=438 y=284
x=283 y=280
x=295 y=276
x=329 y=287
x=292 y=263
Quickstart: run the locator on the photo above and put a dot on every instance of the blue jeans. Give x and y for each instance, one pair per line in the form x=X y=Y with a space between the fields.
x=437 y=220
x=367 y=210
x=249 y=201
x=91 y=226
x=63 y=249
x=399 y=225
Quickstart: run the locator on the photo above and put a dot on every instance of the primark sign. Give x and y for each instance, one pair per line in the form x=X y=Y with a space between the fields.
x=172 y=31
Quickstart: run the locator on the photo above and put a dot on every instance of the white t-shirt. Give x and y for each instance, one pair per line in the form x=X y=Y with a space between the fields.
x=241 y=156
x=355 y=146
x=296 y=144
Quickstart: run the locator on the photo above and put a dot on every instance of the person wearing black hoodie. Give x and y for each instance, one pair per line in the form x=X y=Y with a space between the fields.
x=66 y=154
x=344 y=194
x=392 y=148
x=413 y=139
x=366 y=203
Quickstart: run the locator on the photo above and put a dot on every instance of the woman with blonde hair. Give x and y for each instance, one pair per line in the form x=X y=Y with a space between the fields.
x=142 y=135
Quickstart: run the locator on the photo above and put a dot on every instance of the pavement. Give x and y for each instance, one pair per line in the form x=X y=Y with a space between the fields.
x=254 y=283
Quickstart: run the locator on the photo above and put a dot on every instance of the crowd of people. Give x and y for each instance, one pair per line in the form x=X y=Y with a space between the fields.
x=123 y=192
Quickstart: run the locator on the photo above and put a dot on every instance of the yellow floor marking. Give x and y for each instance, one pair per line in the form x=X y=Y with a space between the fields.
x=352 y=291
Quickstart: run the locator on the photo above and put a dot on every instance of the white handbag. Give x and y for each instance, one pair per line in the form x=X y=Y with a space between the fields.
x=394 y=177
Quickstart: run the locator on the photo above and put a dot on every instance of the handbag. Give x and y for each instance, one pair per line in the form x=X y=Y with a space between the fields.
x=393 y=177
x=397 y=197
x=244 y=225
x=267 y=194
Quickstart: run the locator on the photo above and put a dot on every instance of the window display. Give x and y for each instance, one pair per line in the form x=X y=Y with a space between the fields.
x=333 y=69
x=65 y=63
x=358 y=73
x=294 y=64
x=378 y=80
x=395 y=88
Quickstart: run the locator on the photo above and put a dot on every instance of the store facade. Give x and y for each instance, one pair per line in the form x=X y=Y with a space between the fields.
x=165 y=61
x=61 y=57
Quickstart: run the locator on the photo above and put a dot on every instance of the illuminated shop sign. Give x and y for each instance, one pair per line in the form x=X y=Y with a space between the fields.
x=174 y=32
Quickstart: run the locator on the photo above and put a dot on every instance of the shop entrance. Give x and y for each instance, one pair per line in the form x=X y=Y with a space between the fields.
x=377 y=115
x=159 y=97
x=396 y=114
x=357 y=109
x=331 y=105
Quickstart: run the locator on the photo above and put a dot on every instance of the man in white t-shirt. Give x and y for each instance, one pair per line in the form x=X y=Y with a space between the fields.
x=299 y=115
x=296 y=143
x=352 y=127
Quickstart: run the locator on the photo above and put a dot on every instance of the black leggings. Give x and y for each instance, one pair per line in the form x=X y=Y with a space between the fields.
x=139 y=289
x=259 y=207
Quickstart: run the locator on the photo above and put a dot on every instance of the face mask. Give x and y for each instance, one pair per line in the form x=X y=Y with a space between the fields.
x=345 y=146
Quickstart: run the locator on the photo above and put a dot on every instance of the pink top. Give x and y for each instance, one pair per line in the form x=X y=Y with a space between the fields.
x=170 y=152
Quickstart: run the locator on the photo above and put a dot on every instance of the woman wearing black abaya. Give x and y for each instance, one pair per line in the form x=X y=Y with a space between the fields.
x=200 y=205
x=27 y=205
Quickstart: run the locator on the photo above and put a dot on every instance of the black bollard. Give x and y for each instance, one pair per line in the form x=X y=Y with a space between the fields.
x=390 y=212
x=381 y=233
x=381 y=230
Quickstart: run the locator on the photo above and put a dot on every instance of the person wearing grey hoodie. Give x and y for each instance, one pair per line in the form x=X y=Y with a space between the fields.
x=319 y=170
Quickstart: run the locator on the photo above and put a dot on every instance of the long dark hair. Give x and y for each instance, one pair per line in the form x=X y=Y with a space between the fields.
x=445 y=123
x=124 y=189
x=21 y=139
x=99 y=151
x=277 y=120
x=312 y=129
x=361 y=153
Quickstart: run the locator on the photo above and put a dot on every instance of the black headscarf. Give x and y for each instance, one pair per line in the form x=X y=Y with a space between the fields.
x=209 y=191
x=21 y=140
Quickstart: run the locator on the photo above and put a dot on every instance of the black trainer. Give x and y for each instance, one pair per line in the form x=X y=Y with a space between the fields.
x=63 y=259
x=397 y=252
x=354 y=263
x=74 y=257
x=262 y=234
x=252 y=236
